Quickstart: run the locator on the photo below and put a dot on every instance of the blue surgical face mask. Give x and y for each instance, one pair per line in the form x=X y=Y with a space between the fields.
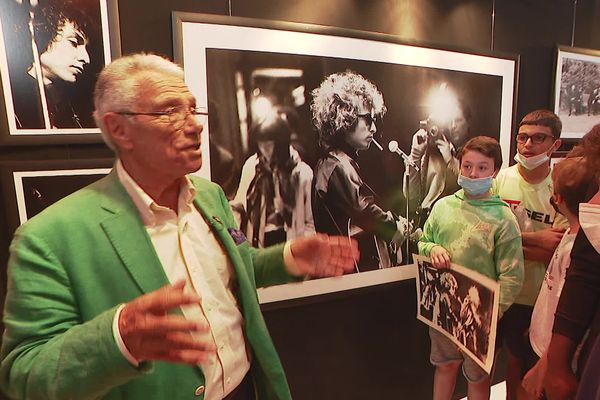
x=531 y=162
x=475 y=187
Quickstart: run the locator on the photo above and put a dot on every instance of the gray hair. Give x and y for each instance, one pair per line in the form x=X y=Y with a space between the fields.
x=119 y=84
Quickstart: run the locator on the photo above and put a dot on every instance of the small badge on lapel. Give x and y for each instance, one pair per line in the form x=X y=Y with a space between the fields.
x=237 y=235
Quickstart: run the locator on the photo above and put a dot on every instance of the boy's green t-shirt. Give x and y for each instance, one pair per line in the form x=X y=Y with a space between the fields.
x=482 y=235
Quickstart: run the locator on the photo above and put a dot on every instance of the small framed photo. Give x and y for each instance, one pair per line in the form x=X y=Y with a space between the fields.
x=51 y=52
x=577 y=90
x=462 y=304
x=31 y=186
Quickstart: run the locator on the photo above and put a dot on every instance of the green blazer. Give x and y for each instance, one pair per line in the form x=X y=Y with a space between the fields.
x=74 y=263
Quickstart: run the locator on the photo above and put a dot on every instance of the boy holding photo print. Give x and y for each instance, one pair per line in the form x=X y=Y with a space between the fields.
x=475 y=229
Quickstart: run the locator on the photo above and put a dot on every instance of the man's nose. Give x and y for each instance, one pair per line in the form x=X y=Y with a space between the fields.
x=83 y=55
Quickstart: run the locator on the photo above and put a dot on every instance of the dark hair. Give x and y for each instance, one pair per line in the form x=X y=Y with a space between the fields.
x=486 y=145
x=50 y=16
x=575 y=181
x=336 y=104
x=544 y=118
x=274 y=127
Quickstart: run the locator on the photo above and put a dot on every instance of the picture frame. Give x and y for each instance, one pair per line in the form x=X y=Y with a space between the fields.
x=230 y=63
x=47 y=92
x=31 y=186
x=576 y=90
x=462 y=305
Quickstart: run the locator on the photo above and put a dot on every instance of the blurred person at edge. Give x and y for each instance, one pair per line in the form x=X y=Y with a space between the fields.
x=578 y=309
x=527 y=188
x=140 y=285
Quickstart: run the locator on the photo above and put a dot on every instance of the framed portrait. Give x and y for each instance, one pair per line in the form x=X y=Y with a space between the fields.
x=31 y=186
x=51 y=52
x=461 y=304
x=247 y=72
x=577 y=90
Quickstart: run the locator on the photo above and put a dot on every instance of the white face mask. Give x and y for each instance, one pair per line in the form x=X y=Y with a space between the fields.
x=531 y=162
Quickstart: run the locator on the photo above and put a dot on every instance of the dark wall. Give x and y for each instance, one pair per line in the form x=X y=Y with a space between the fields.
x=364 y=344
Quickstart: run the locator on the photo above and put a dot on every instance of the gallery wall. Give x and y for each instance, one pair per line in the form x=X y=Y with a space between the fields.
x=364 y=343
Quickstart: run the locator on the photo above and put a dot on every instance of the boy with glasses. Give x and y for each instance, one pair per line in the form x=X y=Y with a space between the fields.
x=527 y=188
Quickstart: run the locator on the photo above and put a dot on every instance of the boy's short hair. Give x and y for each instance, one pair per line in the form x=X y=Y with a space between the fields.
x=486 y=145
x=575 y=181
x=544 y=118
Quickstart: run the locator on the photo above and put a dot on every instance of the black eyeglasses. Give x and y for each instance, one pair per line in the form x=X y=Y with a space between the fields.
x=176 y=116
x=369 y=119
x=536 y=138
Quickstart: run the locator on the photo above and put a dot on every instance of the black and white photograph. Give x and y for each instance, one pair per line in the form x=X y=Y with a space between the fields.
x=462 y=304
x=51 y=52
x=577 y=90
x=351 y=136
x=30 y=186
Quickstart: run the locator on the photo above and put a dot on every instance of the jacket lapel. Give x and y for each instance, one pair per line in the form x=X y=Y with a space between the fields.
x=125 y=230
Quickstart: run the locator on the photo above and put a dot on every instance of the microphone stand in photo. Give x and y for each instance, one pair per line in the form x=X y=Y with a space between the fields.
x=408 y=163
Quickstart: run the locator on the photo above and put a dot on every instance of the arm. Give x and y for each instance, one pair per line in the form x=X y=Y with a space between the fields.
x=508 y=257
x=540 y=245
x=346 y=187
x=47 y=352
x=412 y=177
x=560 y=381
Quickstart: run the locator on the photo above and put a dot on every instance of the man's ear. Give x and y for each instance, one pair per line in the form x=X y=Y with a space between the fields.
x=115 y=126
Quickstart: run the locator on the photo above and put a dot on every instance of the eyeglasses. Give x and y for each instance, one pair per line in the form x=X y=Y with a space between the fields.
x=175 y=116
x=536 y=138
x=369 y=119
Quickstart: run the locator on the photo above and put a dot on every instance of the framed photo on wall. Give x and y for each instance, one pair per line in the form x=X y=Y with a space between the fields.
x=244 y=71
x=577 y=90
x=31 y=186
x=51 y=52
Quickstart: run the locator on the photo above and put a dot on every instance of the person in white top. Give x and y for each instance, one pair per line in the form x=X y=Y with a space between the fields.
x=527 y=187
x=574 y=183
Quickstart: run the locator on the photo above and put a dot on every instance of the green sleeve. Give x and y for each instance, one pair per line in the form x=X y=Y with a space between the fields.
x=427 y=241
x=47 y=352
x=508 y=257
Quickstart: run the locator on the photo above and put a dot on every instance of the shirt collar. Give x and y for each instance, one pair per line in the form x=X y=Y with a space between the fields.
x=146 y=206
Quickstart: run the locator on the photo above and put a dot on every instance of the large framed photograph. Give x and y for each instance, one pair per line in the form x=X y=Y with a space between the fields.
x=577 y=90
x=51 y=52
x=461 y=304
x=270 y=141
x=31 y=186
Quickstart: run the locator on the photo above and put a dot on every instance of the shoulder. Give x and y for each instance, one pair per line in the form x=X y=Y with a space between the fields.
x=205 y=186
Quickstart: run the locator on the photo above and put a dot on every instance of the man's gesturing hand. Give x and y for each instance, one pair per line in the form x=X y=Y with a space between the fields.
x=151 y=333
x=322 y=255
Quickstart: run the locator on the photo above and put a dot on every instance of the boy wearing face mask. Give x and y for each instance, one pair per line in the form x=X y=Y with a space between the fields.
x=527 y=187
x=476 y=229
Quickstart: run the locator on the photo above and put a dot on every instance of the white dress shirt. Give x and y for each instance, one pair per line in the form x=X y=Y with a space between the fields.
x=188 y=249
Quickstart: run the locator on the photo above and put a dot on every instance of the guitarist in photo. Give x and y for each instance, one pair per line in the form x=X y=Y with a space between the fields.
x=345 y=110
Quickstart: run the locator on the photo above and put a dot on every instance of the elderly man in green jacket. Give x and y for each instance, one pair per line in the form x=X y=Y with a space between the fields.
x=140 y=286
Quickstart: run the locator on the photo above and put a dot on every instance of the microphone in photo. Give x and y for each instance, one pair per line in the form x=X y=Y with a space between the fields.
x=394 y=148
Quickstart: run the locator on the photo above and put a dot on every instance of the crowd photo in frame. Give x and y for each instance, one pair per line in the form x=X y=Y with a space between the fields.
x=577 y=90
x=462 y=304
x=51 y=52
x=269 y=114
x=31 y=186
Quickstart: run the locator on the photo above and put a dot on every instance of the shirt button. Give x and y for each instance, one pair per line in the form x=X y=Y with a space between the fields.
x=199 y=390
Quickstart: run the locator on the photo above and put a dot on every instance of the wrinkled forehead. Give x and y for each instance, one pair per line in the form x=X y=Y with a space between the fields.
x=163 y=89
